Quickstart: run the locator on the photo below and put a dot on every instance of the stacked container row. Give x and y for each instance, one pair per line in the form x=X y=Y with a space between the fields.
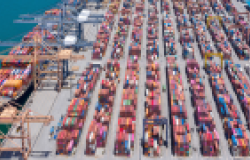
x=219 y=38
x=217 y=7
x=14 y=81
x=153 y=32
x=165 y=6
x=153 y=134
x=113 y=69
x=186 y=36
x=103 y=35
x=229 y=6
x=169 y=35
x=234 y=129
x=209 y=137
x=16 y=75
x=135 y=45
x=181 y=137
x=98 y=129
x=236 y=38
x=124 y=21
x=179 y=7
x=240 y=85
x=201 y=35
x=125 y=132
x=74 y=120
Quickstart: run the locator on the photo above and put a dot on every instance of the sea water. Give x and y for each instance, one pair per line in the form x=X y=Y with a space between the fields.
x=10 y=11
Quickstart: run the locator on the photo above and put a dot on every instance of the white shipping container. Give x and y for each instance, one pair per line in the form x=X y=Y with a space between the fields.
x=155 y=144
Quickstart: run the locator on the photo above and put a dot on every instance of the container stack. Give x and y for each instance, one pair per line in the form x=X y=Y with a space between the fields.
x=220 y=39
x=165 y=6
x=203 y=112
x=122 y=31
x=186 y=36
x=205 y=7
x=103 y=36
x=243 y=22
x=98 y=129
x=187 y=43
x=213 y=68
x=6 y=63
x=114 y=6
x=72 y=125
x=135 y=45
x=74 y=120
x=86 y=83
x=238 y=139
x=37 y=32
x=236 y=38
x=182 y=20
x=13 y=81
x=230 y=116
x=125 y=132
x=201 y=35
x=169 y=36
x=53 y=12
x=15 y=75
x=217 y=7
x=113 y=69
x=240 y=85
x=192 y=8
x=179 y=7
x=153 y=134
x=223 y=100
x=153 y=32
x=74 y=2
x=229 y=6
x=181 y=137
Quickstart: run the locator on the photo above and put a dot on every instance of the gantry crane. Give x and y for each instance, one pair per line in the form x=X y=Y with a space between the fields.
x=64 y=17
x=63 y=54
x=22 y=117
x=155 y=122
x=214 y=54
x=60 y=19
x=211 y=17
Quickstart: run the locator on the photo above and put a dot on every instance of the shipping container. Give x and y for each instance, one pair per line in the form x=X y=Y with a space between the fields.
x=125 y=132
x=153 y=32
x=229 y=114
x=124 y=21
x=181 y=140
x=137 y=33
x=152 y=133
x=204 y=116
x=103 y=35
x=98 y=129
x=240 y=86
x=73 y=122
x=169 y=36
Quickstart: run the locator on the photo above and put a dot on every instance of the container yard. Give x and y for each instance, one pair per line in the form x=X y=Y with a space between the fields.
x=162 y=79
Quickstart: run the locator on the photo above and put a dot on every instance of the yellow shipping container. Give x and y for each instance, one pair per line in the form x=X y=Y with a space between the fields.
x=13 y=83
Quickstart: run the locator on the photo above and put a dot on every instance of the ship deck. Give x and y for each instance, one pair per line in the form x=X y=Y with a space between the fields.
x=50 y=102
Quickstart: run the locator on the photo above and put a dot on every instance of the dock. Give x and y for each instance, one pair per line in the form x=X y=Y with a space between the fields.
x=47 y=101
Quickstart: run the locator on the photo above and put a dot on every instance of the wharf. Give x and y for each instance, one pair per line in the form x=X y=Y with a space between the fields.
x=49 y=102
